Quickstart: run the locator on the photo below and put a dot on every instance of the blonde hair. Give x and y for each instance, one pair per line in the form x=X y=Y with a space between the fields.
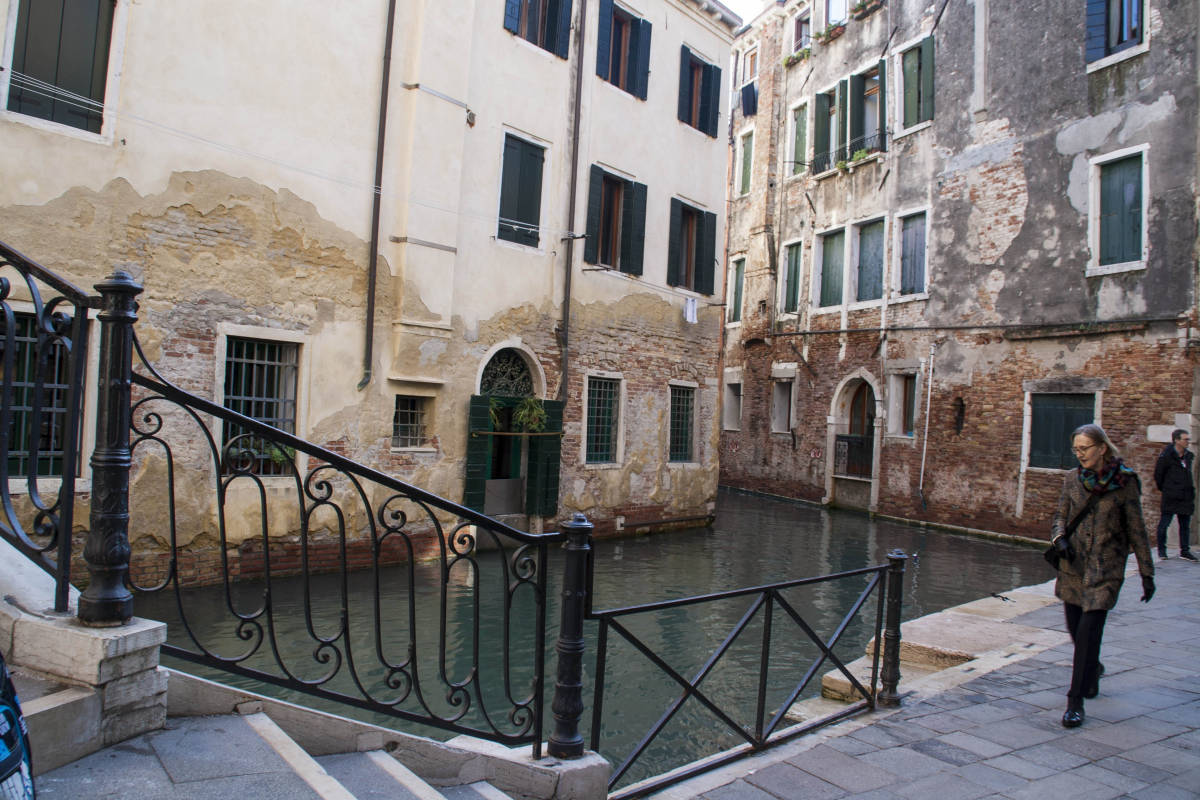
x=1096 y=435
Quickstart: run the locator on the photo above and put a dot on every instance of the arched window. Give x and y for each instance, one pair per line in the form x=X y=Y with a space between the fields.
x=862 y=410
x=507 y=375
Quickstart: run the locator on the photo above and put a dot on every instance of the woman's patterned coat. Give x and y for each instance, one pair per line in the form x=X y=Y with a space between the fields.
x=1102 y=542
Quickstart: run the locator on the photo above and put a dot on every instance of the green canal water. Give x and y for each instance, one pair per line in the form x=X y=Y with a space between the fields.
x=753 y=541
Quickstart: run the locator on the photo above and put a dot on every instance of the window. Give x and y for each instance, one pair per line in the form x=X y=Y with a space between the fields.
x=735 y=290
x=750 y=66
x=869 y=275
x=260 y=383
x=801 y=32
x=699 y=92
x=731 y=416
x=520 y=191
x=868 y=105
x=791 y=279
x=691 y=248
x=55 y=383
x=829 y=135
x=408 y=422
x=916 y=74
x=1054 y=417
x=799 y=139
x=1113 y=26
x=623 y=49
x=747 y=162
x=616 y=222
x=546 y=23
x=832 y=247
x=603 y=405
x=60 y=61
x=1117 y=221
x=835 y=11
x=902 y=401
x=912 y=254
x=683 y=404
x=781 y=406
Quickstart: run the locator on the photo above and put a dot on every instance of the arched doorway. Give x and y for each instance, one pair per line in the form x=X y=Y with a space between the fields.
x=850 y=482
x=512 y=462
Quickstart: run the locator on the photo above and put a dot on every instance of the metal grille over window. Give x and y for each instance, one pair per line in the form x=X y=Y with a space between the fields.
x=408 y=422
x=47 y=439
x=506 y=375
x=682 y=405
x=602 y=420
x=260 y=382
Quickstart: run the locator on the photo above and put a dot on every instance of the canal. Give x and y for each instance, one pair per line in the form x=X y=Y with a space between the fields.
x=753 y=541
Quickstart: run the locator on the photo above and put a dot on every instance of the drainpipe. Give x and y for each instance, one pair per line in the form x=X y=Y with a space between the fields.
x=925 y=443
x=373 y=255
x=565 y=325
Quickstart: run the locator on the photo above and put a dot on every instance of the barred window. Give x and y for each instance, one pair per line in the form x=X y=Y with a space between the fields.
x=683 y=402
x=260 y=382
x=408 y=422
x=52 y=421
x=603 y=405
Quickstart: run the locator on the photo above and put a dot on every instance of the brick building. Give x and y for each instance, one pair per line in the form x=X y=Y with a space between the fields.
x=955 y=235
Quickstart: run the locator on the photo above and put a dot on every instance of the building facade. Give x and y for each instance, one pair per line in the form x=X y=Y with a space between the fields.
x=955 y=236
x=388 y=228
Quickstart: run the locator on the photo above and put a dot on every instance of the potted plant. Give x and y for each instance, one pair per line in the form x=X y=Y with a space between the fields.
x=830 y=33
x=865 y=8
x=858 y=156
x=530 y=415
x=841 y=165
x=796 y=57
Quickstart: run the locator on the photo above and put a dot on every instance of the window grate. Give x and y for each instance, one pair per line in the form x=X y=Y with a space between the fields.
x=682 y=407
x=260 y=382
x=602 y=420
x=408 y=422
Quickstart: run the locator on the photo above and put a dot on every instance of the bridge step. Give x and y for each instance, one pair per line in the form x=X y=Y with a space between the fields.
x=63 y=721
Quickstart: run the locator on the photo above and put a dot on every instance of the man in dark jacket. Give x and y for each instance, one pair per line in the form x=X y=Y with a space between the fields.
x=1173 y=476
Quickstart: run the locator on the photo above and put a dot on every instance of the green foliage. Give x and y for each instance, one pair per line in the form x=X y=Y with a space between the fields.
x=530 y=415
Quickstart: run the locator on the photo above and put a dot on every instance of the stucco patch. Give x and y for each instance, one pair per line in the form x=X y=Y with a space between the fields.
x=990 y=175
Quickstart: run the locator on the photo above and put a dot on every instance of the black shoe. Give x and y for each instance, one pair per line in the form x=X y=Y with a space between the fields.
x=1094 y=689
x=1187 y=556
x=1162 y=554
x=1073 y=717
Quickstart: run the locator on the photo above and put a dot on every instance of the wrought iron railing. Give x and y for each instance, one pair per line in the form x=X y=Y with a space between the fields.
x=43 y=360
x=852 y=455
x=765 y=603
x=871 y=143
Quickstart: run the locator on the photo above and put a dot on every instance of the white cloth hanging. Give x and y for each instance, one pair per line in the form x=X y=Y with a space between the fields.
x=689 y=309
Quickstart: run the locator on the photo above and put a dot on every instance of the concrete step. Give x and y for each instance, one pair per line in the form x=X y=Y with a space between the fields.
x=481 y=790
x=63 y=721
x=375 y=775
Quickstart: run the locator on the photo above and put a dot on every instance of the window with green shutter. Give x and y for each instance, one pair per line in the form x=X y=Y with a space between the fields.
x=916 y=67
x=60 y=61
x=520 y=191
x=868 y=104
x=699 y=92
x=747 y=162
x=735 y=292
x=691 y=248
x=603 y=416
x=1054 y=417
x=791 y=282
x=870 y=262
x=1120 y=220
x=623 y=49
x=615 y=223
x=683 y=403
x=912 y=254
x=832 y=252
x=799 y=139
x=546 y=23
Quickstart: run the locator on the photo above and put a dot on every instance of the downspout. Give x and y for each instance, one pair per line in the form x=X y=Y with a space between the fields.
x=373 y=255
x=564 y=335
x=925 y=442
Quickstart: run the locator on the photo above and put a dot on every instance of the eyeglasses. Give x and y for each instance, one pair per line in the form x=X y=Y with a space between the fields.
x=1081 y=450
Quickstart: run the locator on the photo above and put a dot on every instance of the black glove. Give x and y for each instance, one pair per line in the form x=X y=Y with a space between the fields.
x=1063 y=546
x=1147 y=589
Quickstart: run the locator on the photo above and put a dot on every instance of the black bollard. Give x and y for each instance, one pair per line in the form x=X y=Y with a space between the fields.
x=890 y=676
x=567 y=707
x=107 y=601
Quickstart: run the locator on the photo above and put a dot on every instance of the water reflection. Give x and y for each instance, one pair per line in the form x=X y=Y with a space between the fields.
x=754 y=541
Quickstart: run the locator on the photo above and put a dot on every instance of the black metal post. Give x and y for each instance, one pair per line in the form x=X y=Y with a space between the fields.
x=567 y=707
x=107 y=601
x=890 y=676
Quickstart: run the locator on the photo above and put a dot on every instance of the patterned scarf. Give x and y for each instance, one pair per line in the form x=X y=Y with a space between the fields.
x=1114 y=475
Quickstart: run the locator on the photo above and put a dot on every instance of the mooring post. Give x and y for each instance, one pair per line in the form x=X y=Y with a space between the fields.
x=567 y=707
x=890 y=676
x=107 y=601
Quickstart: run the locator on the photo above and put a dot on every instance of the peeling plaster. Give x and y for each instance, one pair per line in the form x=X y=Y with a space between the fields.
x=432 y=350
x=1116 y=300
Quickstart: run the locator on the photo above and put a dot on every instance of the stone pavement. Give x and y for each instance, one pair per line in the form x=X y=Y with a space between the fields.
x=999 y=735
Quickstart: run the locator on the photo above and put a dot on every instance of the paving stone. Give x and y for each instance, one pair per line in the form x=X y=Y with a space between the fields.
x=980 y=747
x=943 y=785
x=944 y=751
x=1187 y=742
x=905 y=761
x=1062 y=786
x=994 y=779
x=1088 y=748
x=1165 y=758
x=944 y=722
x=1097 y=773
x=787 y=782
x=1182 y=714
x=1127 y=735
x=1052 y=756
x=1017 y=766
x=1142 y=772
x=1164 y=791
x=738 y=790
x=1187 y=780
x=992 y=712
x=874 y=794
x=842 y=770
x=1013 y=733
x=851 y=746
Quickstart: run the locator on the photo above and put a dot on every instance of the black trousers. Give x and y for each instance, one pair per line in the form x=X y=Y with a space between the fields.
x=1087 y=630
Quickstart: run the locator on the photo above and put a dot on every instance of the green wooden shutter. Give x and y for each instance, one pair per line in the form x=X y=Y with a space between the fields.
x=747 y=161
x=712 y=92
x=883 y=124
x=800 y=139
x=706 y=100
x=739 y=276
x=870 y=262
x=531 y=192
x=821 y=146
x=857 y=103
x=926 y=80
x=912 y=254
x=633 y=227
x=562 y=33
x=479 y=452
x=842 y=94
x=604 y=39
x=545 y=458
x=640 y=55
x=510 y=190
x=706 y=252
x=673 y=243
x=1054 y=417
x=512 y=15
x=791 y=298
x=1121 y=211
x=591 y=245
x=910 y=63
x=685 y=84
x=832 y=259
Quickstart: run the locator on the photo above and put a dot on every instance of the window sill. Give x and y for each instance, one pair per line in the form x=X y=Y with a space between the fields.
x=731 y=430
x=682 y=464
x=1118 y=57
x=414 y=450
x=105 y=137
x=862 y=305
x=1048 y=470
x=1097 y=271
x=908 y=298
x=823 y=310
x=898 y=438
x=737 y=323
x=858 y=478
x=600 y=465
x=920 y=126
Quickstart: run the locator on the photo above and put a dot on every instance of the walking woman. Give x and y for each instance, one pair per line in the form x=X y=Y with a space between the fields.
x=1098 y=522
